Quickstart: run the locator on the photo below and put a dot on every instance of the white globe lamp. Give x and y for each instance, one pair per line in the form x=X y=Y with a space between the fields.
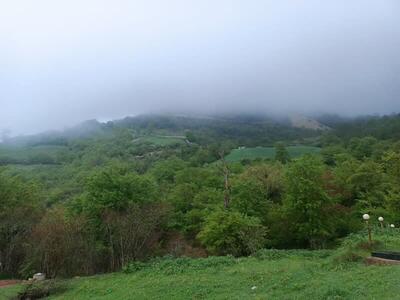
x=366 y=218
x=380 y=219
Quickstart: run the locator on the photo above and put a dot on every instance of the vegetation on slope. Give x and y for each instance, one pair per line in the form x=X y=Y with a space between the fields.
x=110 y=199
x=239 y=154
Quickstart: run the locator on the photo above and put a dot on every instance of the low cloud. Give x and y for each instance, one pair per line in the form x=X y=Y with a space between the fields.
x=62 y=62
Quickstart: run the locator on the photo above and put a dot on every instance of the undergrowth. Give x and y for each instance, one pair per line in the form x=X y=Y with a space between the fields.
x=171 y=265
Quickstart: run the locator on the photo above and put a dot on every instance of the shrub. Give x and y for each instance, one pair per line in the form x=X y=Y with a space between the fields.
x=229 y=232
x=170 y=265
x=39 y=290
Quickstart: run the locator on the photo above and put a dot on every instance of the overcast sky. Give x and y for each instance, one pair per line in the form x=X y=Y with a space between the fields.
x=65 y=61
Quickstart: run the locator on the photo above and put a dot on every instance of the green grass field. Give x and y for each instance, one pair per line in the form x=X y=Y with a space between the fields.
x=293 y=275
x=268 y=152
x=9 y=292
x=269 y=274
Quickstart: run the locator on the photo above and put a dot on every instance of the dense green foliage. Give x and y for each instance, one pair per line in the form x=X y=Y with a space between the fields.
x=232 y=233
x=270 y=153
x=138 y=188
x=306 y=203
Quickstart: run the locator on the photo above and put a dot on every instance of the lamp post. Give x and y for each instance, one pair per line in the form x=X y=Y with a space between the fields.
x=366 y=218
x=392 y=225
x=380 y=219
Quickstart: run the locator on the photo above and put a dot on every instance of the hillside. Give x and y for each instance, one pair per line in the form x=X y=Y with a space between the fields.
x=106 y=195
x=249 y=130
x=380 y=127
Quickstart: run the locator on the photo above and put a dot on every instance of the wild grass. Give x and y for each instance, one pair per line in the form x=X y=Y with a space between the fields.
x=267 y=274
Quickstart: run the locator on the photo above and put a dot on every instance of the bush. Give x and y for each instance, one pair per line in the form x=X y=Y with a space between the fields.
x=229 y=232
x=39 y=290
x=170 y=265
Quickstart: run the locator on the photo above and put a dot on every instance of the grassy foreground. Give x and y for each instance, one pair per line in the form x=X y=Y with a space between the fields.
x=270 y=275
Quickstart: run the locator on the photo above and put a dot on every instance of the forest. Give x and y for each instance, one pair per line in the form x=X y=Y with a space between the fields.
x=99 y=197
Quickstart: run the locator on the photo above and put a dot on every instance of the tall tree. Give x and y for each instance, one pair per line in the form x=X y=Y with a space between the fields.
x=226 y=173
x=20 y=210
x=306 y=202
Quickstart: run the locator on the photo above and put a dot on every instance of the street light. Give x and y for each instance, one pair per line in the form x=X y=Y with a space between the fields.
x=380 y=219
x=366 y=218
x=392 y=225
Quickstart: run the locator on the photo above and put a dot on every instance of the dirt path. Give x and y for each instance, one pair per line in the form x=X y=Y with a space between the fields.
x=4 y=283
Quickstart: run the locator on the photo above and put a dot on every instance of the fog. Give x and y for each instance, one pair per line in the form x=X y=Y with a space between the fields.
x=62 y=62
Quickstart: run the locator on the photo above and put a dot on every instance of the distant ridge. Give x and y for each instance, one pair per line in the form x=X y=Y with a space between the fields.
x=300 y=121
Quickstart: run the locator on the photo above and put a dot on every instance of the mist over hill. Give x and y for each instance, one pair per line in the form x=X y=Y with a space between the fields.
x=234 y=125
x=71 y=61
x=270 y=127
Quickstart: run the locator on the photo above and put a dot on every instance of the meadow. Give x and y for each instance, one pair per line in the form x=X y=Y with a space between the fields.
x=267 y=152
x=268 y=274
x=296 y=276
